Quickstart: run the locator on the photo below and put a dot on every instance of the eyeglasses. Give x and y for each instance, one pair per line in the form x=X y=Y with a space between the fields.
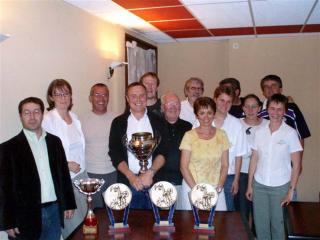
x=251 y=106
x=172 y=104
x=61 y=95
x=100 y=95
x=248 y=131
x=196 y=88
x=28 y=113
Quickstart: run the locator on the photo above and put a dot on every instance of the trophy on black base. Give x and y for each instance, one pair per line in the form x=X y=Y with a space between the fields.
x=163 y=196
x=89 y=186
x=118 y=197
x=142 y=145
x=203 y=197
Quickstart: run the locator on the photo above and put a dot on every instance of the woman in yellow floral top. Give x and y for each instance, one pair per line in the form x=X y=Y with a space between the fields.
x=204 y=153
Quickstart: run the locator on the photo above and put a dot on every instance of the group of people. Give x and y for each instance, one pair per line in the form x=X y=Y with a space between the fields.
x=250 y=151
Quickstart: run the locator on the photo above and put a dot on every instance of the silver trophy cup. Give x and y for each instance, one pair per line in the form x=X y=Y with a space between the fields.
x=89 y=186
x=142 y=145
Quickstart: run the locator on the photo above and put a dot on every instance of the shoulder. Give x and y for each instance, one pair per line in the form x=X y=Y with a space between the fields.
x=184 y=124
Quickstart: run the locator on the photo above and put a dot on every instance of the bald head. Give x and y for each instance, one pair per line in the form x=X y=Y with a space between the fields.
x=170 y=106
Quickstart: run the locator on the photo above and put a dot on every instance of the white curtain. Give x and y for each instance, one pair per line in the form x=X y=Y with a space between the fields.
x=140 y=61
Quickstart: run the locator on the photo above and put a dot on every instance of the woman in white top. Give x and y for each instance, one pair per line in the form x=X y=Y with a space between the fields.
x=251 y=106
x=61 y=122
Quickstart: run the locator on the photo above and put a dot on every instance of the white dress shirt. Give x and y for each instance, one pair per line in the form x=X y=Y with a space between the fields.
x=187 y=112
x=134 y=126
x=274 y=154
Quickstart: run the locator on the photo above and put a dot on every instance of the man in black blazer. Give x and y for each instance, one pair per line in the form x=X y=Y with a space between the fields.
x=35 y=187
x=136 y=119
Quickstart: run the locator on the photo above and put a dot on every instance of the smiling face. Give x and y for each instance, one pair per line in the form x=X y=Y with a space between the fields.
x=137 y=99
x=171 y=107
x=205 y=116
x=31 y=117
x=99 y=99
x=224 y=103
x=61 y=98
x=194 y=90
x=251 y=108
x=276 y=111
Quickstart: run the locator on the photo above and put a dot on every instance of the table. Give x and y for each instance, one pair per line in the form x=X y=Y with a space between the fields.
x=228 y=225
x=302 y=220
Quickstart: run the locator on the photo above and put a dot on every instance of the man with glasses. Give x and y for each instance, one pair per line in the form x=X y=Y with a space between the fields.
x=170 y=106
x=35 y=187
x=96 y=129
x=193 y=89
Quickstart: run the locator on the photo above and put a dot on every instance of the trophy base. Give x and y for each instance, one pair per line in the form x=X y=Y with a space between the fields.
x=164 y=226
x=203 y=229
x=119 y=228
x=90 y=230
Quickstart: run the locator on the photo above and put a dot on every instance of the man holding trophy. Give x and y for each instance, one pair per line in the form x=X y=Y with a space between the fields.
x=137 y=120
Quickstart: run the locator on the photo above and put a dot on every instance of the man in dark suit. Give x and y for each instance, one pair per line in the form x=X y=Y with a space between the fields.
x=35 y=187
x=137 y=119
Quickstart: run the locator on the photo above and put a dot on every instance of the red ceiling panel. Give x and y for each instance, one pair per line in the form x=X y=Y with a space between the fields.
x=158 y=14
x=178 y=25
x=278 y=29
x=232 y=31
x=312 y=28
x=189 y=33
x=132 y=4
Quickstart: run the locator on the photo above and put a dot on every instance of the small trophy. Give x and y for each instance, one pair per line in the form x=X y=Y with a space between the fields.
x=163 y=196
x=118 y=197
x=204 y=197
x=89 y=186
x=142 y=145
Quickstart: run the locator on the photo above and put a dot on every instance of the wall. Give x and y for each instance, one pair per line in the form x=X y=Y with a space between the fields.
x=52 y=39
x=296 y=60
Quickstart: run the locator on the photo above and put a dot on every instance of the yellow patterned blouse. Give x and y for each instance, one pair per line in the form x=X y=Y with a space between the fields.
x=205 y=159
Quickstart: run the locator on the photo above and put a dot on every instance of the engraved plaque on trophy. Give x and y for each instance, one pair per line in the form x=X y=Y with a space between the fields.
x=142 y=145
x=89 y=186
x=163 y=196
x=117 y=198
x=203 y=197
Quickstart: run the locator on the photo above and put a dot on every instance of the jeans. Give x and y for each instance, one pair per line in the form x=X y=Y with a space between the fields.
x=242 y=204
x=228 y=193
x=51 y=226
x=140 y=199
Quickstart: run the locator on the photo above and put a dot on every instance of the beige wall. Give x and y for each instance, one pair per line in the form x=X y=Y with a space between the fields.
x=52 y=39
x=296 y=60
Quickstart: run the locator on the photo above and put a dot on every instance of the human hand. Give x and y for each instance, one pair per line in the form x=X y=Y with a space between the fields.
x=13 y=232
x=73 y=166
x=235 y=187
x=135 y=182
x=146 y=178
x=68 y=214
x=287 y=199
x=249 y=193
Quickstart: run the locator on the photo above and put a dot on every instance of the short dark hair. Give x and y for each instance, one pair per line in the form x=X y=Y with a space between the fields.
x=203 y=102
x=278 y=98
x=152 y=74
x=134 y=84
x=232 y=81
x=255 y=97
x=98 y=85
x=271 y=77
x=58 y=84
x=224 y=89
x=34 y=100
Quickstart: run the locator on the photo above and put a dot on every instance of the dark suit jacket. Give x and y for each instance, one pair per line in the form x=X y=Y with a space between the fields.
x=20 y=192
x=118 y=151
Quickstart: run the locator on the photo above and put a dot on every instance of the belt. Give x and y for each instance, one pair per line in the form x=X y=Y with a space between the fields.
x=48 y=204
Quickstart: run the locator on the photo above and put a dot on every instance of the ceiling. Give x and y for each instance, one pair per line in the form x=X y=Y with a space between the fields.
x=193 y=20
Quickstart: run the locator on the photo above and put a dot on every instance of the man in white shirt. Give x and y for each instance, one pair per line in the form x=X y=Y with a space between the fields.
x=193 y=89
x=274 y=170
x=96 y=129
x=137 y=119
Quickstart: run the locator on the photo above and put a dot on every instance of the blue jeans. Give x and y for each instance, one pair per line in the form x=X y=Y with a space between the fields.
x=242 y=204
x=228 y=194
x=140 y=199
x=51 y=226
